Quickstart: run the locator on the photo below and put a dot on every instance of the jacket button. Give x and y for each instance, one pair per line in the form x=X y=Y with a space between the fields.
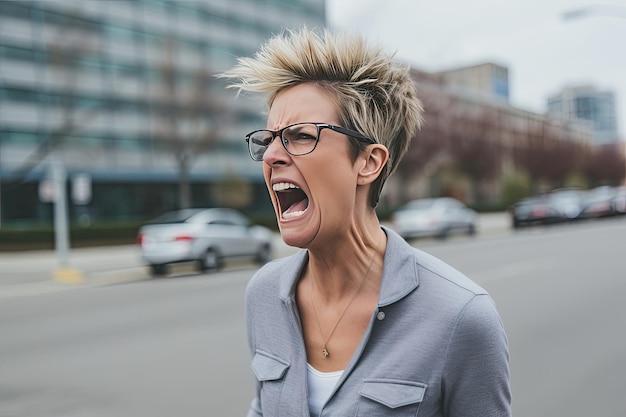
x=380 y=315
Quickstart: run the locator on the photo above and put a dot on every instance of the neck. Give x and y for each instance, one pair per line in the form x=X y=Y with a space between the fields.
x=339 y=269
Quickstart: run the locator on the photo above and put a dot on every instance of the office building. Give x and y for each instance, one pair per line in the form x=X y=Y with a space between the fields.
x=486 y=79
x=590 y=104
x=123 y=95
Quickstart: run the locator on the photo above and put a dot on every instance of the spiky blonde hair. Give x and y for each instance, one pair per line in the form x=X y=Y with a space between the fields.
x=374 y=94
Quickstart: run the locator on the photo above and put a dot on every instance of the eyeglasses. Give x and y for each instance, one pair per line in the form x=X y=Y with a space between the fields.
x=297 y=139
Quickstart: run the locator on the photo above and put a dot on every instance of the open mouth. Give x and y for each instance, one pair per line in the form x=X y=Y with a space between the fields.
x=292 y=201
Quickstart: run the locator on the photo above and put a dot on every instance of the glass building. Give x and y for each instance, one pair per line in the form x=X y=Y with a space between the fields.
x=589 y=104
x=123 y=95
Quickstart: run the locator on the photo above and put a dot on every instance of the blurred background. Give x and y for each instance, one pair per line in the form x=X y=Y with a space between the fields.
x=520 y=99
x=111 y=116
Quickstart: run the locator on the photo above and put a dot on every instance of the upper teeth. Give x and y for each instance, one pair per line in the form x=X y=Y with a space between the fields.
x=282 y=186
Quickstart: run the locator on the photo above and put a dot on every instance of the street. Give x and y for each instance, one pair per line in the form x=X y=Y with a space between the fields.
x=176 y=346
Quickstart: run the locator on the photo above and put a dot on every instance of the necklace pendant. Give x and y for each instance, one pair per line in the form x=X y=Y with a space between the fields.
x=325 y=352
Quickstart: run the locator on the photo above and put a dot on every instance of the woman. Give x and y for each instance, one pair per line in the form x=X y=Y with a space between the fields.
x=357 y=323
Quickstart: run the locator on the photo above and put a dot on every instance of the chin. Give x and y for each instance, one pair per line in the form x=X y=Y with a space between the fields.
x=297 y=234
x=294 y=239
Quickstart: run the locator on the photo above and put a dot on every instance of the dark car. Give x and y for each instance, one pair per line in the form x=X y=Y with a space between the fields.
x=533 y=210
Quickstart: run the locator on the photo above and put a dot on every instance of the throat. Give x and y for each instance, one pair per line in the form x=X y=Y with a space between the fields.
x=296 y=209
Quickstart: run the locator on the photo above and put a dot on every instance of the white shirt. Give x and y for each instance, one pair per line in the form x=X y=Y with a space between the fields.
x=321 y=385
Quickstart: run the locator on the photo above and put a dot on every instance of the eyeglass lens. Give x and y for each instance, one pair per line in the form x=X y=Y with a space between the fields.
x=298 y=139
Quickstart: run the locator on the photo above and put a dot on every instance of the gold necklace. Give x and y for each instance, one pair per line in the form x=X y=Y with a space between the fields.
x=325 y=352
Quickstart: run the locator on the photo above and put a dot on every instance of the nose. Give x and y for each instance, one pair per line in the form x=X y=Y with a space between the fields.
x=275 y=152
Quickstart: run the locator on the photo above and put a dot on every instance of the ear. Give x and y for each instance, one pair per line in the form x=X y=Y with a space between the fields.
x=372 y=162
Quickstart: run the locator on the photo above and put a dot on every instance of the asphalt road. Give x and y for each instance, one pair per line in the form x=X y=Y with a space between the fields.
x=176 y=345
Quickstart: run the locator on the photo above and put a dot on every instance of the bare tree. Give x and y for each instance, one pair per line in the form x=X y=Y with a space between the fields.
x=546 y=156
x=427 y=149
x=188 y=112
x=531 y=153
x=561 y=160
x=476 y=151
x=605 y=165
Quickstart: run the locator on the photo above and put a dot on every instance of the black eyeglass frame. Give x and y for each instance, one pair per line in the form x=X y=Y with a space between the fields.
x=320 y=127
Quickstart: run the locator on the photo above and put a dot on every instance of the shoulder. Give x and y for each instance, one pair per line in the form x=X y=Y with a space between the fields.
x=433 y=287
x=430 y=267
x=408 y=268
x=448 y=289
x=470 y=309
x=276 y=278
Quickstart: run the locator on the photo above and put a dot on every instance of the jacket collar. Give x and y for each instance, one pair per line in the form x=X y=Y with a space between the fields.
x=400 y=276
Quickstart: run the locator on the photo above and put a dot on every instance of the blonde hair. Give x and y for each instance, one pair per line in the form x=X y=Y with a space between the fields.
x=374 y=94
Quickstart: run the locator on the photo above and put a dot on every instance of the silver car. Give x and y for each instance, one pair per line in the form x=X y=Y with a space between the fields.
x=438 y=217
x=568 y=202
x=204 y=236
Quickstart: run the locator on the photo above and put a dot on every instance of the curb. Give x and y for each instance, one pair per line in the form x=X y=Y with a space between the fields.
x=64 y=279
x=68 y=276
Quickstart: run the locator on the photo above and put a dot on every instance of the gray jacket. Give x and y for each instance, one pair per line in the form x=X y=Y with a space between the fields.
x=435 y=345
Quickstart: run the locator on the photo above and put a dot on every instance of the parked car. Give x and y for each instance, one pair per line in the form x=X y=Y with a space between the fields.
x=618 y=202
x=533 y=210
x=438 y=217
x=597 y=202
x=204 y=236
x=568 y=203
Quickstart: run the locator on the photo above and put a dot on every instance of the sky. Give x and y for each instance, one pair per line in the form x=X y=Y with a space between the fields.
x=543 y=51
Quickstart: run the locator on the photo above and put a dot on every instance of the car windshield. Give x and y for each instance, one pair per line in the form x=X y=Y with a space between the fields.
x=565 y=196
x=178 y=216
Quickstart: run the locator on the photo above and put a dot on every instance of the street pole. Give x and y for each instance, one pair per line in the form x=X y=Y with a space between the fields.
x=61 y=232
x=63 y=272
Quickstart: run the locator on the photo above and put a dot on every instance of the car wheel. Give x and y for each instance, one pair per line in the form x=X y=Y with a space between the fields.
x=471 y=230
x=157 y=270
x=264 y=254
x=443 y=234
x=210 y=261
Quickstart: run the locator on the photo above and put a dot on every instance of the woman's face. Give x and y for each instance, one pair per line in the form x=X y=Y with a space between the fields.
x=314 y=194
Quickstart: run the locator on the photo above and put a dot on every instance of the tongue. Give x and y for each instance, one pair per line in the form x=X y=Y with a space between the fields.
x=299 y=206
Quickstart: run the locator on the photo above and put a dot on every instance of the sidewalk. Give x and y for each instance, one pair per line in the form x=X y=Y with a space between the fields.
x=33 y=272
x=30 y=273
